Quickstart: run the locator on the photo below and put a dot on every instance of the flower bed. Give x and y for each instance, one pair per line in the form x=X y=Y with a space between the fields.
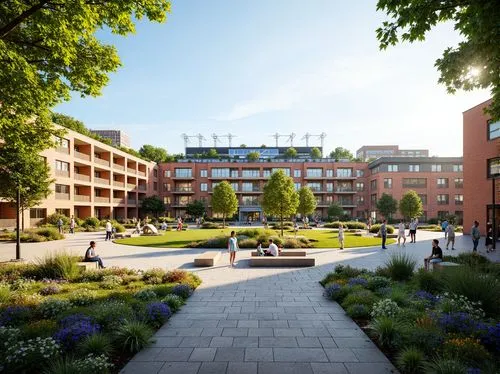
x=426 y=322
x=90 y=322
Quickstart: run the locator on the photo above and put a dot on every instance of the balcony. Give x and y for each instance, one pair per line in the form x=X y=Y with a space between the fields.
x=62 y=196
x=119 y=184
x=85 y=198
x=118 y=167
x=119 y=200
x=131 y=185
x=82 y=156
x=64 y=150
x=250 y=203
x=186 y=190
x=141 y=173
x=82 y=177
x=131 y=201
x=101 y=181
x=101 y=161
x=185 y=177
x=344 y=176
x=100 y=199
x=251 y=190
x=62 y=173
x=181 y=203
x=344 y=190
x=131 y=171
x=143 y=187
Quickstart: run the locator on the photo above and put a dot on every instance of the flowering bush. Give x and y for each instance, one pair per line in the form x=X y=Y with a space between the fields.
x=8 y=337
x=384 y=291
x=173 y=301
x=28 y=355
x=451 y=303
x=457 y=323
x=332 y=291
x=153 y=276
x=15 y=315
x=358 y=311
x=490 y=336
x=51 y=307
x=182 y=290
x=111 y=281
x=93 y=364
x=82 y=297
x=74 y=328
x=426 y=296
x=386 y=308
x=145 y=294
x=357 y=282
x=157 y=313
x=21 y=284
x=21 y=298
x=377 y=282
x=51 y=289
x=466 y=350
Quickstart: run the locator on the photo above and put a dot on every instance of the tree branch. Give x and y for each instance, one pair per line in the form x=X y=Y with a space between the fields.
x=9 y=27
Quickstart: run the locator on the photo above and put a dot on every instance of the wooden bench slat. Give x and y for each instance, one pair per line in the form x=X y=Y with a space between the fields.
x=286 y=253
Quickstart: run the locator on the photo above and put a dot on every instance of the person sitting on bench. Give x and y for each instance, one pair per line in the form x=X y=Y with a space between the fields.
x=273 y=249
x=436 y=256
x=91 y=256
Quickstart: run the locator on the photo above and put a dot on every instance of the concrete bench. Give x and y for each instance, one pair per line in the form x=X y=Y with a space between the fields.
x=286 y=253
x=281 y=261
x=443 y=265
x=87 y=265
x=207 y=259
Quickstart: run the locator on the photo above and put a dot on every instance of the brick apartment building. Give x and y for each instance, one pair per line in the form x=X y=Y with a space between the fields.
x=368 y=152
x=481 y=165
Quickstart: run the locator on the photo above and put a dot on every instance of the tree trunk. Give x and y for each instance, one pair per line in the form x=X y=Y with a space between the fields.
x=22 y=219
x=281 y=217
x=224 y=221
x=7 y=29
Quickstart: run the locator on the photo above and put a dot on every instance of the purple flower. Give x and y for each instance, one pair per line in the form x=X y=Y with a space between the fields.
x=14 y=315
x=473 y=371
x=74 y=328
x=358 y=282
x=457 y=323
x=427 y=296
x=182 y=290
x=490 y=336
x=157 y=313
x=332 y=290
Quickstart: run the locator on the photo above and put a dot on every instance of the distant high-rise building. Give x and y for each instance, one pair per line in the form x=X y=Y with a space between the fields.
x=117 y=137
x=368 y=152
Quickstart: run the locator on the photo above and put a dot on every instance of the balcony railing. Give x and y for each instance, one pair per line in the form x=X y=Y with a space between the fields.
x=62 y=196
x=250 y=203
x=118 y=184
x=101 y=161
x=101 y=180
x=119 y=200
x=100 y=199
x=82 y=156
x=118 y=167
x=132 y=171
x=131 y=185
x=183 y=189
x=62 y=173
x=141 y=173
x=82 y=177
x=81 y=198
x=143 y=187
x=62 y=150
x=131 y=201
x=254 y=189
x=344 y=190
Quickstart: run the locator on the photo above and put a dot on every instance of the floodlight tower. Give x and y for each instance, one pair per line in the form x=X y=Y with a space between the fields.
x=186 y=140
x=216 y=139
x=306 y=137
x=291 y=137
x=201 y=138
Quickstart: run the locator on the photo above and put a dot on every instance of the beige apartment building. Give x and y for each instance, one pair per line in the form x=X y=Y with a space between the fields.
x=92 y=179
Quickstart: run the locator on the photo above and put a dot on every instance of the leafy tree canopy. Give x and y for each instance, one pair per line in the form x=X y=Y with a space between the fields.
x=335 y=211
x=387 y=205
x=315 y=153
x=212 y=153
x=156 y=154
x=307 y=201
x=410 y=205
x=340 y=153
x=153 y=205
x=291 y=152
x=475 y=62
x=253 y=156
x=224 y=200
x=196 y=208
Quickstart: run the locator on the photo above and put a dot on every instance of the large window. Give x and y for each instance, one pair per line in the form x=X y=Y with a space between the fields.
x=459 y=199
x=203 y=187
x=38 y=213
x=436 y=167
x=62 y=166
x=423 y=197
x=235 y=186
x=493 y=167
x=183 y=173
x=360 y=173
x=414 y=182
x=248 y=187
x=329 y=173
x=442 y=182
x=414 y=168
x=392 y=168
x=459 y=183
x=458 y=168
x=314 y=173
x=234 y=173
x=203 y=173
x=443 y=199
x=250 y=173
x=220 y=173
x=62 y=188
x=361 y=200
x=329 y=187
x=373 y=184
x=360 y=186
x=297 y=173
x=373 y=199
x=387 y=182
x=344 y=173
x=493 y=130
x=166 y=173
x=297 y=186
x=266 y=173
x=286 y=170
x=314 y=186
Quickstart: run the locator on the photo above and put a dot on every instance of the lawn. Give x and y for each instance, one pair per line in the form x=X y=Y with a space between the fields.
x=182 y=239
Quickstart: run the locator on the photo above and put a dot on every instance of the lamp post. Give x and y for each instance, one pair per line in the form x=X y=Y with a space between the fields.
x=493 y=209
x=18 y=214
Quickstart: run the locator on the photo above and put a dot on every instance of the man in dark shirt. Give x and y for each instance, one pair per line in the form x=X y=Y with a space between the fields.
x=91 y=256
x=436 y=256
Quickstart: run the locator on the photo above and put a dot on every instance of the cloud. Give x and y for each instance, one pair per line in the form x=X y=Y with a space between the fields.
x=328 y=79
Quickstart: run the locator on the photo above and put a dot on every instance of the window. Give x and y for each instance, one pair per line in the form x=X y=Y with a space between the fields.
x=97 y=174
x=214 y=184
x=443 y=199
x=297 y=186
x=266 y=173
x=436 y=167
x=344 y=173
x=387 y=182
x=314 y=173
x=329 y=187
x=442 y=214
x=360 y=186
x=38 y=213
x=373 y=199
x=392 y=168
x=247 y=187
x=62 y=166
x=314 y=186
x=286 y=170
x=459 y=199
x=375 y=170
x=423 y=197
x=204 y=187
x=329 y=199
x=360 y=173
x=458 y=168
x=414 y=168
x=493 y=167
x=166 y=200
x=251 y=173
x=155 y=173
x=62 y=188
x=166 y=187
x=203 y=173
x=234 y=173
x=493 y=130
x=297 y=173
x=249 y=201
x=361 y=200
x=459 y=183
x=235 y=186
x=373 y=184
x=442 y=182
x=155 y=186
x=220 y=173
x=166 y=173
x=183 y=173
x=329 y=173
x=414 y=182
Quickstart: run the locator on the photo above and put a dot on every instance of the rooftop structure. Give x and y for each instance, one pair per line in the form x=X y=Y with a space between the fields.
x=242 y=152
x=368 y=152
x=117 y=137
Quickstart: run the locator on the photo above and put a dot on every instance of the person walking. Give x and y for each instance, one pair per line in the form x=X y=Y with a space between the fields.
x=91 y=256
x=232 y=247
x=383 y=233
x=476 y=235
x=401 y=233
x=444 y=225
x=436 y=255
x=450 y=231
x=489 y=238
x=109 y=230
x=369 y=224
x=72 y=225
x=60 y=226
x=413 y=230
x=341 y=236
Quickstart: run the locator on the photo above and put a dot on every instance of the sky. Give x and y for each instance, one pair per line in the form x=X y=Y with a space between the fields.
x=256 y=67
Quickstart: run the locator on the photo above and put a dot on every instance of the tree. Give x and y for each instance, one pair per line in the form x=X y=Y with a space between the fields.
x=224 y=201
x=280 y=198
x=243 y=145
x=315 y=153
x=196 y=208
x=387 y=205
x=49 y=50
x=253 y=156
x=291 y=153
x=335 y=211
x=212 y=153
x=307 y=201
x=152 y=153
x=474 y=63
x=340 y=153
x=153 y=205
x=410 y=205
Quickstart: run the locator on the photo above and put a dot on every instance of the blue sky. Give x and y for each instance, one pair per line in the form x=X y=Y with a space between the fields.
x=258 y=67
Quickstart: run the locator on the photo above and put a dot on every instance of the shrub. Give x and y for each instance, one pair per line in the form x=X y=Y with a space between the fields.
x=153 y=276
x=92 y=222
x=110 y=282
x=145 y=294
x=55 y=217
x=58 y=265
x=110 y=313
x=428 y=339
x=247 y=243
x=211 y=225
x=25 y=299
x=133 y=336
x=451 y=303
x=387 y=331
x=82 y=297
x=162 y=290
x=351 y=225
x=157 y=314
x=96 y=344
x=74 y=328
x=361 y=296
x=427 y=297
x=385 y=308
x=399 y=296
x=490 y=336
x=445 y=366
x=174 y=302
x=50 y=233
x=4 y=293
x=357 y=282
x=473 y=260
x=358 y=311
x=8 y=337
x=182 y=276
x=119 y=227
x=400 y=266
x=44 y=328
x=27 y=355
x=429 y=281
x=51 y=289
x=295 y=243
x=91 y=364
x=466 y=350
x=332 y=291
x=182 y=290
x=411 y=360
x=21 y=284
x=376 y=282
x=376 y=228
x=50 y=308
x=457 y=323
x=15 y=315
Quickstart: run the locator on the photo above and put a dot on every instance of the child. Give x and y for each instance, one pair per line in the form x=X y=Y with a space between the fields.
x=260 y=251
x=341 y=236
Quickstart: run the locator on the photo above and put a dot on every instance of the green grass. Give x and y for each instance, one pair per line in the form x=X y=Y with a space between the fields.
x=180 y=239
